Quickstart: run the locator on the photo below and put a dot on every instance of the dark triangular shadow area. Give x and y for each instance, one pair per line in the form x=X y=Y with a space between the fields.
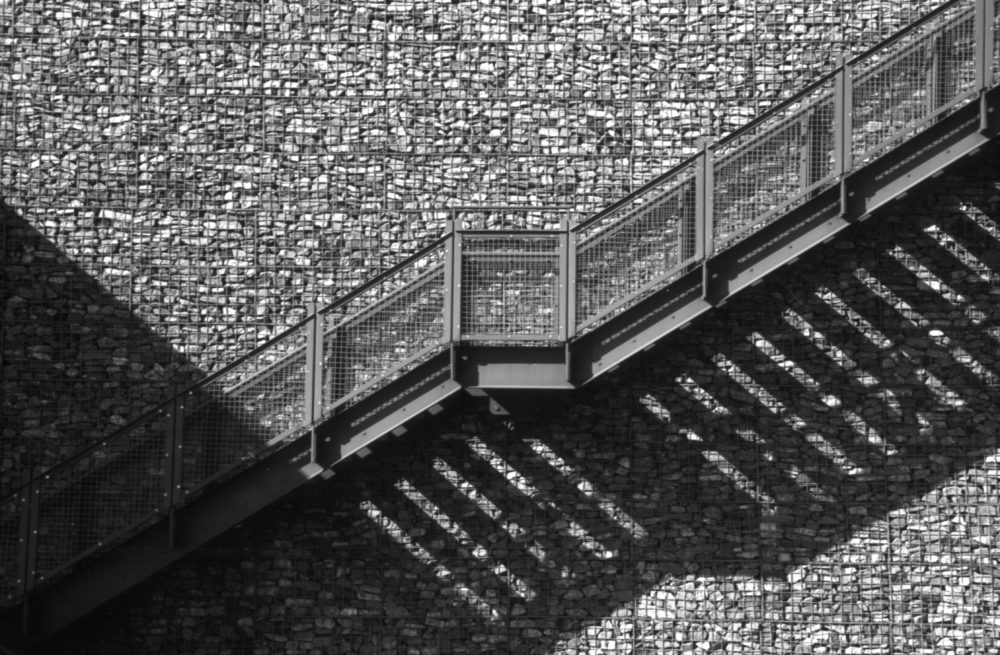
x=78 y=362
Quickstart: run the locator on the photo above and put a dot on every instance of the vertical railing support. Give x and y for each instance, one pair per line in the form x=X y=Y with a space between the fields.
x=455 y=263
x=313 y=405
x=843 y=110
x=563 y=298
x=29 y=543
x=174 y=461
x=984 y=56
x=571 y=240
x=704 y=210
x=448 y=333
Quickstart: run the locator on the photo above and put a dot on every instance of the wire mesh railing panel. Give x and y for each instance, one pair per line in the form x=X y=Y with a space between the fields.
x=917 y=78
x=385 y=330
x=235 y=415
x=636 y=248
x=510 y=287
x=95 y=498
x=11 y=560
x=774 y=165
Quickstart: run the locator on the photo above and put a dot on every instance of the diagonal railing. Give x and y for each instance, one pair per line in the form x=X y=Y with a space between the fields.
x=523 y=289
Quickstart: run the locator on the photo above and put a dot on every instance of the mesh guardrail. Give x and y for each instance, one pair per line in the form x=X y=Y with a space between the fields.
x=912 y=80
x=384 y=330
x=774 y=164
x=636 y=247
x=250 y=407
x=511 y=288
x=101 y=495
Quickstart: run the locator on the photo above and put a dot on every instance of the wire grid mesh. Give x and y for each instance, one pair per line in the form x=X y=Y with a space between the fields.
x=510 y=287
x=11 y=524
x=101 y=494
x=383 y=331
x=773 y=166
x=897 y=89
x=232 y=417
x=636 y=247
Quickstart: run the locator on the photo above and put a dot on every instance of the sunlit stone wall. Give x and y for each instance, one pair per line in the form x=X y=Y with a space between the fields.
x=811 y=469
x=186 y=175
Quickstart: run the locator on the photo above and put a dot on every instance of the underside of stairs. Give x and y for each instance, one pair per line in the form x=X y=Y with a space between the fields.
x=498 y=313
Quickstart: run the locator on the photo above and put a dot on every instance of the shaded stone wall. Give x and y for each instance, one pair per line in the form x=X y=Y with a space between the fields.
x=214 y=166
x=812 y=468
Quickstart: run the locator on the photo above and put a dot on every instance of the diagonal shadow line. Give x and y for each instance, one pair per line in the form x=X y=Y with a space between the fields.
x=877 y=308
x=974 y=237
x=795 y=396
x=513 y=552
x=516 y=505
x=928 y=302
x=445 y=549
x=73 y=355
x=970 y=286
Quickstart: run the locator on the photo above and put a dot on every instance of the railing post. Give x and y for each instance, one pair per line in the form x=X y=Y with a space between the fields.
x=984 y=56
x=570 y=297
x=174 y=459
x=455 y=264
x=448 y=332
x=28 y=540
x=704 y=210
x=843 y=147
x=314 y=367
x=563 y=298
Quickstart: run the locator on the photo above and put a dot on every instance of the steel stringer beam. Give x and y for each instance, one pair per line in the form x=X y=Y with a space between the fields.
x=424 y=390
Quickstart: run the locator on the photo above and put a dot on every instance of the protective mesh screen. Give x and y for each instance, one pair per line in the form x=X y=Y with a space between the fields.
x=510 y=287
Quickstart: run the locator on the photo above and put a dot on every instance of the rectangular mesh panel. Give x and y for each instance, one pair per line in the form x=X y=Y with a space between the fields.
x=510 y=287
x=101 y=494
x=383 y=331
x=899 y=88
x=11 y=512
x=635 y=248
x=774 y=166
x=234 y=416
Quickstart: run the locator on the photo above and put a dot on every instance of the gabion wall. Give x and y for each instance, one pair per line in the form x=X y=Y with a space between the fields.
x=812 y=469
x=182 y=177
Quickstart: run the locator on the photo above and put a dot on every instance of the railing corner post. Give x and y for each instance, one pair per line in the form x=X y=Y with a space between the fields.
x=566 y=270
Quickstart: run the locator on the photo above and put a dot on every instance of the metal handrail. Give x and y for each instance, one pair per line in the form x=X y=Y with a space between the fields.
x=307 y=351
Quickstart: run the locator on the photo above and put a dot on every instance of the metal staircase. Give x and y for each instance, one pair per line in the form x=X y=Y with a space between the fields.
x=498 y=310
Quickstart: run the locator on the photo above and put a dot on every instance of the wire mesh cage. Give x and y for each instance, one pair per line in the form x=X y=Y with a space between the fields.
x=510 y=286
